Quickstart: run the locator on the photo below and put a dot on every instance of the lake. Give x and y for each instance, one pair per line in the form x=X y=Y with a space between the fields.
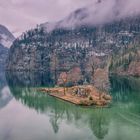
x=29 y=115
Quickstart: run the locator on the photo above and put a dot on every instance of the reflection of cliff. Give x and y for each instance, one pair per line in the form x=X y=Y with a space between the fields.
x=5 y=96
x=22 y=79
x=59 y=111
x=2 y=79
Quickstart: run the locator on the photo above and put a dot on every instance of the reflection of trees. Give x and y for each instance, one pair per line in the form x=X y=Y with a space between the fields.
x=59 y=110
x=54 y=120
x=55 y=124
x=125 y=92
x=125 y=89
x=97 y=120
x=99 y=124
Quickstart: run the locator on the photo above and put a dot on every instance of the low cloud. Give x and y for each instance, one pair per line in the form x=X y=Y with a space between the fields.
x=21 y=15
x=102 y=11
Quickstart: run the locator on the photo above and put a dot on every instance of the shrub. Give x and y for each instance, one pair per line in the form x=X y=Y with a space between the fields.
x=90 y=98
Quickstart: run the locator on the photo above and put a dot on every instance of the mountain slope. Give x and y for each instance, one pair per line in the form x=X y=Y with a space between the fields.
x=127 y=62
x=3 y=56
x=64 y=49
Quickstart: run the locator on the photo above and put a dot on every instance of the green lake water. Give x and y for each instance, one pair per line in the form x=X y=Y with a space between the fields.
x=29 y=115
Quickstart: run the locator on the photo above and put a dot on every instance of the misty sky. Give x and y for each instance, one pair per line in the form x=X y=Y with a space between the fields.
x=21 y=15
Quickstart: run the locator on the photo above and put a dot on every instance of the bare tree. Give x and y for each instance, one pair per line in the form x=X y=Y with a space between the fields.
x=101 y=80
x=63 y=78
x=94 y=63
x=74 y=75
x=54 y=64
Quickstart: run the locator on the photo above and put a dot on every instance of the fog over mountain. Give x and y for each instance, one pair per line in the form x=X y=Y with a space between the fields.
x=29 y=13
x=98 y=12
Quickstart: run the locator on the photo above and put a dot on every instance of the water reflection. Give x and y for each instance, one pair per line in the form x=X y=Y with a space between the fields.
x=125 y=89
x=97 y=120
x=92 y=123
x=5 y=96
x=28 y=79
x=3 y=82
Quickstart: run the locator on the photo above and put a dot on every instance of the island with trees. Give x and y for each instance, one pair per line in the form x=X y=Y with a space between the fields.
x=86 y=95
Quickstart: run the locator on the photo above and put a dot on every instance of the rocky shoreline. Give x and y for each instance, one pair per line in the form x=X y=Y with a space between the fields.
x=86 y=95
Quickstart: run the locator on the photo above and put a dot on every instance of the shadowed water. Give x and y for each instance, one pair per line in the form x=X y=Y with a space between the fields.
x=29 y=115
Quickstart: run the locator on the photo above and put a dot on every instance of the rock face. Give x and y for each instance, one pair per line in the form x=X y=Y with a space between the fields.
x=3 y=56
x=6 y=37
x=6 y=40
x=85 y=47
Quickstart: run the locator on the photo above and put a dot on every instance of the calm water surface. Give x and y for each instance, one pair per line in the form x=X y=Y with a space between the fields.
x=28 y=115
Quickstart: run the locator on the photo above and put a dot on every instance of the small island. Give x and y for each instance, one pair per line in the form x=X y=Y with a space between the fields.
x=85 y=95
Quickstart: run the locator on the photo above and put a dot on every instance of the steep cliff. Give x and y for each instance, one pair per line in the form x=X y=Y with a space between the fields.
x=62 y=49
x=6 y=40
x=3 y=56
x=6 y=37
